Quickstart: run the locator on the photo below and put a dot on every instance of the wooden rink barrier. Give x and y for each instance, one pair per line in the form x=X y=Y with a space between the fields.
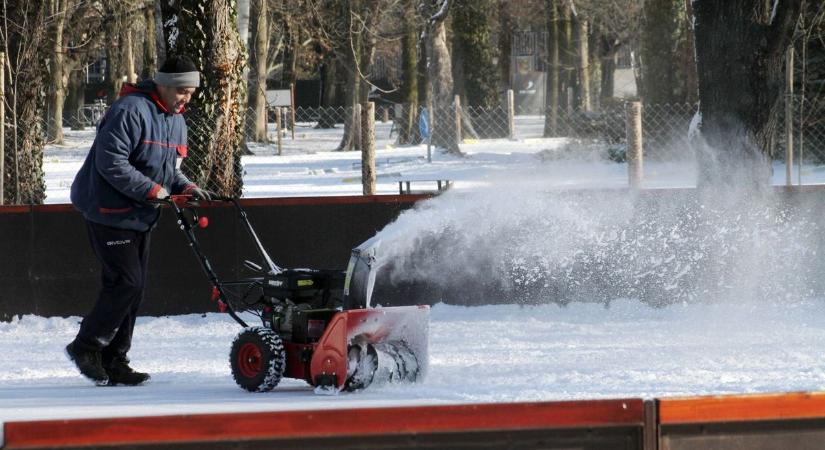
x=736 y=422
x=593 y=424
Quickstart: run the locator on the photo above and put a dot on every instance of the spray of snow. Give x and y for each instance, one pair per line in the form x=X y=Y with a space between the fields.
x=515 y=242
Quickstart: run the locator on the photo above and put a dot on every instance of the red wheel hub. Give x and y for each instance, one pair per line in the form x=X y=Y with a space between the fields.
x=249 y=360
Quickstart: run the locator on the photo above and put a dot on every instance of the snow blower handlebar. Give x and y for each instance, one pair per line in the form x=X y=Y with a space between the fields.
x=181 y=203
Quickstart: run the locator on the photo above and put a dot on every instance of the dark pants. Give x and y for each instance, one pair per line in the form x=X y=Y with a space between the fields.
x=124 y=257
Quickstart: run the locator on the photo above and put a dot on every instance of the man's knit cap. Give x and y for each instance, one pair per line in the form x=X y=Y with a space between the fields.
x=178 y=71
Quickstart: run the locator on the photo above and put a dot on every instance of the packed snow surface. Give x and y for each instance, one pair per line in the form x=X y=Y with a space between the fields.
x=501 y=353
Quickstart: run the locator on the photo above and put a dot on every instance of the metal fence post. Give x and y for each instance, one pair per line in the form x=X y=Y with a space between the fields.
x=635 y=156
x=357 y=113
x=430 y=122
x=511 y=114
x=457 y=119
x=368 y=148
x=789 y=117
x=292 y=109
x=2 y=127
x=278 y=128
x=385 y=115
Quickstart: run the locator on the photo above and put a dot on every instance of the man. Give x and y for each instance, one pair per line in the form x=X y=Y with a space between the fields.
x=132 y=161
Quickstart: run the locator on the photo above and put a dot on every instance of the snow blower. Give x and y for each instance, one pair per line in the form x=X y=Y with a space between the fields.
x=316 y=325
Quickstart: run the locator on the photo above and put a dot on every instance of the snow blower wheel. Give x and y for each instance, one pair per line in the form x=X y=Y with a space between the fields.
x=258 y=359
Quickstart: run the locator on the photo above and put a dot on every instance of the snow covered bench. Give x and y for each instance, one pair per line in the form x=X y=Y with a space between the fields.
x=405 y=186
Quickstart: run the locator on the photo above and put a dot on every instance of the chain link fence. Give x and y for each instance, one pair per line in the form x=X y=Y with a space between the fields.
x=321 y=129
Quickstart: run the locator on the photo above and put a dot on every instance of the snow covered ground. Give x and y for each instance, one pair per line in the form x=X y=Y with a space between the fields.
x=477 y=354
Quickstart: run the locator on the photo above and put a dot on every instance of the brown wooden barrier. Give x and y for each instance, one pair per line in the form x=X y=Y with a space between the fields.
x=595 y=424
x=751 y=422
x=48 y=268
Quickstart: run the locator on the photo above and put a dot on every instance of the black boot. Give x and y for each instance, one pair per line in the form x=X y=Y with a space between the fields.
x=119 y=372
x=88 y=361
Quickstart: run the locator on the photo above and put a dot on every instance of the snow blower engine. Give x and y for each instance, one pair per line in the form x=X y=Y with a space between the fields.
x=316 y=325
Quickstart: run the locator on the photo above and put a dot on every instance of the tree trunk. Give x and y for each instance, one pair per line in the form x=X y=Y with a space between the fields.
x=291 y=46
x=551 y=102
x=441 y=78
x=664 y=37
x=113 y=30
x=740 y=53
x=505 y=44
x=75 y=98
x=25 y=102
x=129 y=56
x=150 y=53
x=584 y=66
x=407 y=123
x=163 y=13
x=328 y=71
x=568 y=55
x=57 y=93
x=472 y=51
x=258 y=45
x=216 y=122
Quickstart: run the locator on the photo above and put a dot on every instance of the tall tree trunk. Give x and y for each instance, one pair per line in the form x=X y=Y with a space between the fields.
x=57 y=93
x=216 y=122
x=163 y=13
x=258 y=45
x=75 y=98
x=664 y=37
x=291 y=46
x=150 y=51
x=740 y=49
x=408 y=129
x=505 y=44
x=24 y=100
x=328 y=92
x=129 y=56
x=568 y=56
x=551 y=102
x=348 y=50
x=440 y=75
x=113 y=30
x=475 y=75
x=584 y=66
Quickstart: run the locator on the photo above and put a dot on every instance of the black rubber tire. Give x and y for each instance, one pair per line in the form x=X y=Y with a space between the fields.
x=258 y=359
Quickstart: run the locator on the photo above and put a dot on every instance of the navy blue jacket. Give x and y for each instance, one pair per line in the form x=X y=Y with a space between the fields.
x=133 y=155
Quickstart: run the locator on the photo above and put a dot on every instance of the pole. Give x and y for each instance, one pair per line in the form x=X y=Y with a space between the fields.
x=292 y=108
x=789 y=117
x=278 y=128
x=511 y=114
x=368 y=148
x=457 y=119
x=635 y=161
x=430 y=120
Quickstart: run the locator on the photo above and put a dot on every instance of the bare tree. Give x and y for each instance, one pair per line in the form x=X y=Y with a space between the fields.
x=408 y=129
x=258 y=46
x=57 y=91
x=439 y=71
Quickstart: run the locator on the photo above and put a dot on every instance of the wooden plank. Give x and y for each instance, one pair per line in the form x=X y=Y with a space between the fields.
x=716 y=409
x=324 y=423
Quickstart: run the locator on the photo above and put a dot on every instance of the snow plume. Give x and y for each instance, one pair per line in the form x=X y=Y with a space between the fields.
x=513 y=243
